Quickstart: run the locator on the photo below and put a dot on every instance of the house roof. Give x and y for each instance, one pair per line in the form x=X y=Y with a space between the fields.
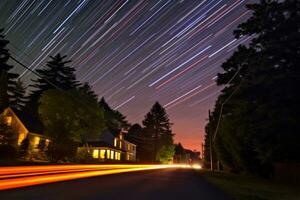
x=101 y=144
x=98 y=144
x=115 y=132
x=31 y=123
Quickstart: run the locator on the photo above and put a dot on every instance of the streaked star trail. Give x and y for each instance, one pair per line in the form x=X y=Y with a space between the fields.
x=133 y=52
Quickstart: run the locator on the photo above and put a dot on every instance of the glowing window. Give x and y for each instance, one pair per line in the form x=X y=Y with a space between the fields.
x=102 y=154
x=121 y=136
x=21 y=138
x=115 y=142
x=127 y=156
x=120 y=145
x=36 y=141
x=47 y=142
x=8 y=120
x=96 y=153
x=111 y=154
x=118 y=156
x=107 y=153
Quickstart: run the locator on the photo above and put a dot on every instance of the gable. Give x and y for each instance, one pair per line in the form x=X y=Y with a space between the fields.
x=14 y=121
x=32 y=124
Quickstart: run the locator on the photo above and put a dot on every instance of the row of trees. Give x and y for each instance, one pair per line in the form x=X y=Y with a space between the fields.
x=186 y=156
x=10 y=88
x=71 y=112
x=255 y=122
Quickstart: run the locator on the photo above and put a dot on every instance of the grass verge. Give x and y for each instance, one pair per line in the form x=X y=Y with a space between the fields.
x=252 y=188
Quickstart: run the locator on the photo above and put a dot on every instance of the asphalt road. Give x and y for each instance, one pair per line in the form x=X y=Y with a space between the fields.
x=163 y=184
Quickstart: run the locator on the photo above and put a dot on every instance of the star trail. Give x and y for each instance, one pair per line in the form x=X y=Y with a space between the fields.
x=133 y=52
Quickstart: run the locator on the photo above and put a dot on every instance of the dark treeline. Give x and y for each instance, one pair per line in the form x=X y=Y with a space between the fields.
x=71 y=113
x=257 y=114
x=186 y=156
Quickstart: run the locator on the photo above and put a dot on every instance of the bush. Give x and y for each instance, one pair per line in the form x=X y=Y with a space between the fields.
x=7 y=152
x=60 y=150
x=24 y=148
x=83 y=156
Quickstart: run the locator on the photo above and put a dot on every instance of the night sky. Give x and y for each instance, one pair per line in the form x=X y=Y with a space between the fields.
x=133 y=52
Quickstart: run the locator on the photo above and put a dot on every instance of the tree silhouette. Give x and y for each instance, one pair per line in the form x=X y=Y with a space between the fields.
x=7 y=78
x=258 y=124
x=18 y=97
x=157 y=127
x=56 y=73
x=86 y=89
x=114 y=120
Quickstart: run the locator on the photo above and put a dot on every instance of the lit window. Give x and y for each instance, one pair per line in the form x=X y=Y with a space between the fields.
x=128 y=146
x=127 y=156
x=121 y=136
x=118 y=156
x=108 y=154
x=102 y=154
x=96 y=153
x=47 y=142
x=8 y=120
x=120 y=145
x=111 y=154
x=21 y=138
x=115 y=142
x=36 y=141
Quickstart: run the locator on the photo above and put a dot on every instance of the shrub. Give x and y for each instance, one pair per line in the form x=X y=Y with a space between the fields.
x=7 y=152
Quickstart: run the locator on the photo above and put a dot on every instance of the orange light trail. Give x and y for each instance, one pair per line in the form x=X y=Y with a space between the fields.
x=16 y=177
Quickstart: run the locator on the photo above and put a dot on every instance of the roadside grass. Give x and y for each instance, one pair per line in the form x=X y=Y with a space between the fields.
x=251 y=188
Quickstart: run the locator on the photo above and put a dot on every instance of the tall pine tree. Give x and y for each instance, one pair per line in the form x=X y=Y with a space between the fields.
x=158 y=127
x=56 y=73
x=7 y=78
x=87 y=90
x=114 y=120
x=18 y=98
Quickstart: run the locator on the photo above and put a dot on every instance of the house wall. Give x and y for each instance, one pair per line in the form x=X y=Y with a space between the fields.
x=14 y=122
x=130 y=151
x=102 y=153
x=127 y=149
x=21 y=132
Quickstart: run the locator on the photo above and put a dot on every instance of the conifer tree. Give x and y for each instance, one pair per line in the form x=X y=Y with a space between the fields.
x=86 y=89
x=115 y=121
x=158 y=127
x=7 y=78
x=258 y=125
x=56 y=73
x=18 y=98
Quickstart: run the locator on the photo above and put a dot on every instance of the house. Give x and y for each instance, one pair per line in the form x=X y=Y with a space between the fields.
x=24 y=126
x=111 y=146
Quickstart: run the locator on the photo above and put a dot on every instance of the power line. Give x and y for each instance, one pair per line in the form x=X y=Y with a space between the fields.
x=52 y=84
x=35 y=73
x=227 y=99
x=221 y=111
x=219 y=118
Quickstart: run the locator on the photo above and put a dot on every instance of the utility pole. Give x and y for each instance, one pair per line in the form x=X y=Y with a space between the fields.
x=210 y=142
x=202 y=150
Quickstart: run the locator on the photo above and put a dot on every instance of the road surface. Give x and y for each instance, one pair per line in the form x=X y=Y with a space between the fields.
x=168 y=183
